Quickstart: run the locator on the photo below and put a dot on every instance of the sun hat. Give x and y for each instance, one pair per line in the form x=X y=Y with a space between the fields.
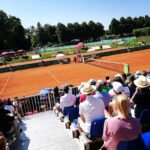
x=99 y=82
x=142 y=82
x=87 y=89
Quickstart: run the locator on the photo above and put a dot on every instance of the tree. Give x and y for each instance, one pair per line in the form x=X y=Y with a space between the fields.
x=114 y=27
x=12 y=33
x=3 y=30
x=61 y=32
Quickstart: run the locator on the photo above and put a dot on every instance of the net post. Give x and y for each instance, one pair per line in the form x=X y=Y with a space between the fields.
x=126 y=69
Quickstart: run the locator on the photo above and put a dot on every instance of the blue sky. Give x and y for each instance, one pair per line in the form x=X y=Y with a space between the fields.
x=70 y=11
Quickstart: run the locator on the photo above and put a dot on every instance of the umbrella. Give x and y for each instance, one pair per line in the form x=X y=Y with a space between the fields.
x=45 y=91
x=21 y=50
x=5 y=53
x=79 y=45
x=60 y=56
x=12 y=52
x=91 y=50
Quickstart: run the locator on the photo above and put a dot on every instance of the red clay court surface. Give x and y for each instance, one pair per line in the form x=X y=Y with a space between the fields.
x=30 y=81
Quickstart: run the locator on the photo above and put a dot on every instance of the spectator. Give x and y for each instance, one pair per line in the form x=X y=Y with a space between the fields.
x=2 y=142
x=68 y=99
x=75 y=59
x=137 y=74
x=125 y=87
x=102 y=95
x=6 y=120
x=56 y=94
x=142 y=95
x=144 y=73
x=83 y=96
x=90 y=109
x=117 y=89
x=92 y=82
x=131 y=85
x=9 y=106
x=121 y=127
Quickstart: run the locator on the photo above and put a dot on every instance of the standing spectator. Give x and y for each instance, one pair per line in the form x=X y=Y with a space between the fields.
x=75 y=59
x=121 y=127
x=142 y=95
x=11 y=68
x=90 y=109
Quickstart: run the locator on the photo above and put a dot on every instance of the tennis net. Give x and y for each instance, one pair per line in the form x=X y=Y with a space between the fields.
x=115 y=66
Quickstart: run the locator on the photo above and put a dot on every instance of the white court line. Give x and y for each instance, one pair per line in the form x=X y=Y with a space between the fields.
x=54 y=77
x=5 y=84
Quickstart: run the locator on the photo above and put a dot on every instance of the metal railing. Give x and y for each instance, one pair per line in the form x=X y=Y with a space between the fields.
x=37 y=104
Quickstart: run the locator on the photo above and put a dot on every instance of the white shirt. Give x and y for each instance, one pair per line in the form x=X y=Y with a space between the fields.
x=9 y=107
x=91 y=108
x=67 y=100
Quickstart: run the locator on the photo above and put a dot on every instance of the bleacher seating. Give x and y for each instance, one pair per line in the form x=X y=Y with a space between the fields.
x=145 y=120
x=93 y=140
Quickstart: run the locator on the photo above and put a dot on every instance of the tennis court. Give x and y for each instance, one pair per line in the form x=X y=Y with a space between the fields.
x=30 y=81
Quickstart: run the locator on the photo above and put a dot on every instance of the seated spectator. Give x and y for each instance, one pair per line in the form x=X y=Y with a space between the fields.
x=90 y=109
x=131 y=85
x=6 y=120
x=125 y=87
x=102 y=95
x=121 y=127
x=117 y=88
x=124 y=77
x=9 y=106
x=56 y=93
x=137 y=74
x=144 y=73
x=107 y=82
x=141 y=96
x=92 y=82
x=68 y=99
x=2 y=142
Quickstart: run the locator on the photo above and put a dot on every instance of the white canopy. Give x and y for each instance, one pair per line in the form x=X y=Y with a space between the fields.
x=60 y=56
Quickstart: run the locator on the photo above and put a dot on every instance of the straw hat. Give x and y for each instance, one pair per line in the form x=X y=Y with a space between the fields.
x=142 y=82
x=87 y=89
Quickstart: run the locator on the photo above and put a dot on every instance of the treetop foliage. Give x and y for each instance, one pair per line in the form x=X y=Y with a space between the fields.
x=14 y=36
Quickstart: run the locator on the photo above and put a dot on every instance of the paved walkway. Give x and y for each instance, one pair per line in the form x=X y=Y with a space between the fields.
x=45 y=132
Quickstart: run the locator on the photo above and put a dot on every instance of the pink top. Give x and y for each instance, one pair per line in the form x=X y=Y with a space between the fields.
x=82 y=98
x=117 y=130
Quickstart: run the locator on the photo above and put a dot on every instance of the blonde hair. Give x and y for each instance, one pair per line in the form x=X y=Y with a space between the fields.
x=122 y=104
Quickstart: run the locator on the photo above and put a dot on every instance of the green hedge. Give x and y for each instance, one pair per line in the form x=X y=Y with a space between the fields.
x=142 y=31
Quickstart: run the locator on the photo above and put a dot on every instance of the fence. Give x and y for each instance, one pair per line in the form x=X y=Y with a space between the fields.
x=37 y=104
x=86 y=44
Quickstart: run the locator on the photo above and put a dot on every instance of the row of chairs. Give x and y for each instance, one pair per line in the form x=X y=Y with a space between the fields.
x=93 y=141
